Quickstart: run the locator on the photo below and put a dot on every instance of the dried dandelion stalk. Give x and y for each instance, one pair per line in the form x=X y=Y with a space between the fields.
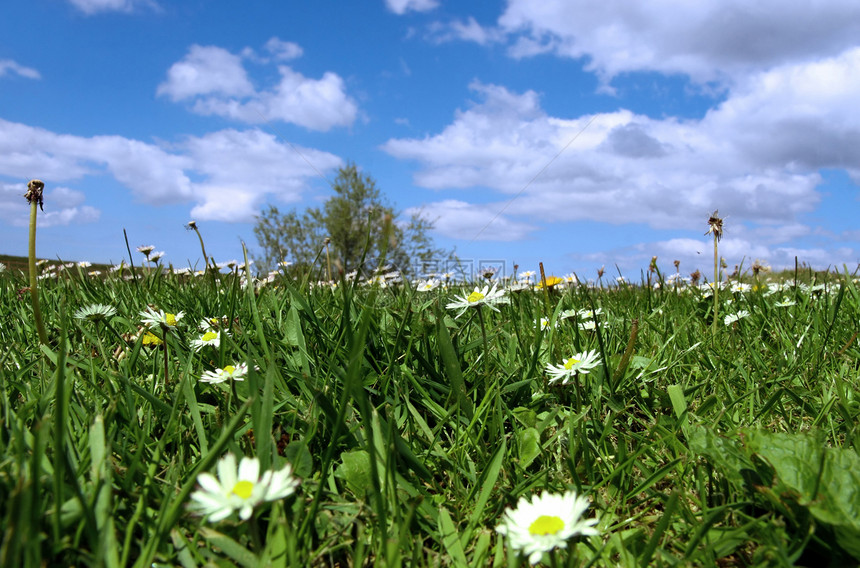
x=715 y=226
x=34 y=195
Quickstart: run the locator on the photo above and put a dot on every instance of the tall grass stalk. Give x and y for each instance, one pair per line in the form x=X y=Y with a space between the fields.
x=715 y=226
x=34 y=195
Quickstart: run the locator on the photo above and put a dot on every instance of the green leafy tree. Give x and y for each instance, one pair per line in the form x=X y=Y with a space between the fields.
x=356 y=229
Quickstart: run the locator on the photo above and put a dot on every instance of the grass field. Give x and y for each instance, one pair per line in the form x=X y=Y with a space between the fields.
x=414 y=431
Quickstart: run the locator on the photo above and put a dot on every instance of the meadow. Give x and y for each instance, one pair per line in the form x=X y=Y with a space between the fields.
x=412 y=424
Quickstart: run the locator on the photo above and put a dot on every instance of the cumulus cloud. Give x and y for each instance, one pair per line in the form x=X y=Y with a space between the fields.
x=216 y=82
x=465 y=30
x=206 y=70
x=242 y=168
x=400 y=7
x=90 y=7
x=709 y=40
x=283 y=50
x=9 y=67
x=458 y=219
x=233 y=171
x=756 y=156
x=63 y=206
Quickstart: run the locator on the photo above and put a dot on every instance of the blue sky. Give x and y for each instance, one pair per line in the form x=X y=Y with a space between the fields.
x=575 y=133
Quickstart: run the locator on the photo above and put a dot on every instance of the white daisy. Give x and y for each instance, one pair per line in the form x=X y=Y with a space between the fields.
x=95 y=312
x=236 y=373
x=146 y=250
x=211 y=338
x=239 y=490
x=732 y=318
x=579 y=363
x=589 y=314
x=589 y=325
x=487 y=295
x=153 y=317
x=545 y=523
x=428 y=285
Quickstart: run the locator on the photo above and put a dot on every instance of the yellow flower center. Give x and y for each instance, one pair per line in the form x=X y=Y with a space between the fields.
x=475 y=297
x=244 y=488
x=209 y=336
x=546 y=524
x=228 y=370
x=569 y=363
x=170 y=319
x=150 y=339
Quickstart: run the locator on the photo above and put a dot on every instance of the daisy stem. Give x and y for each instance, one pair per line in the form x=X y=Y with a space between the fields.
x=34 y=196
x=165 y=331
x=484 y=335
x=202 y=246
x=255 y=534
x=716 y=284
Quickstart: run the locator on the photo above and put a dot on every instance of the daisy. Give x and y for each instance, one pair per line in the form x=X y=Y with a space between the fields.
x=480 y=296
x=579 y=363
x=239 y=489
x=213 y=324
x=543 y=323
x=545 y=523
x=212 y=338
x=589 y=325
x=428 y=285
x=732 y=318
x=157 y=317
x=95 y=312
x=589 y=314
x=236 y=373
x=146 y=250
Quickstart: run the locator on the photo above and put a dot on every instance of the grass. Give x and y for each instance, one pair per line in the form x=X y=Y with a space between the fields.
x=413 y=431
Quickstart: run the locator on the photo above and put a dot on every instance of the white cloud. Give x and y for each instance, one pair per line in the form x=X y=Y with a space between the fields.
x=241 y=168
x=283 y=50
x=7 y=67
x=206 y=70
x=217 y=83
x=709 y=40
x=90 y=7
x=466 y=30
x=459 y=219
x=233 y=171
x=756 y=157
x=62 y=206
x=314 y=104
x=400 y=7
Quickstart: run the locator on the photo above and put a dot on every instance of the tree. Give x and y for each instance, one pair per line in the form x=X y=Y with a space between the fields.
x=356 y=225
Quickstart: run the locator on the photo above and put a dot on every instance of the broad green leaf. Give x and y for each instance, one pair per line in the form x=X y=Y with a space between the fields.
x=299 y=456
x=355 y=470
x=824 y=480
x=528 y=445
